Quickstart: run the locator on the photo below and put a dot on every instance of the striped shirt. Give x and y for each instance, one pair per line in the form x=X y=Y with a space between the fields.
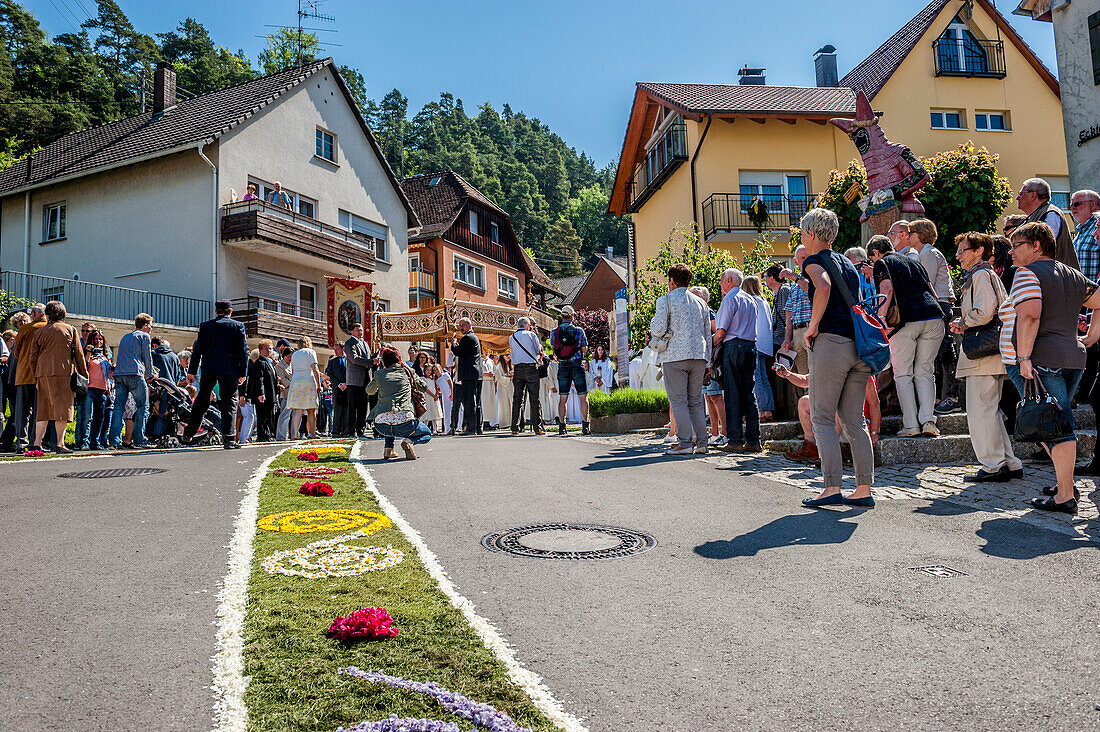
x=1025 y=286
x=798 y=305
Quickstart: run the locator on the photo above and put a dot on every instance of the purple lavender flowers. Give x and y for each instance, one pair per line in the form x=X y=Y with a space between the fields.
x=482 y=715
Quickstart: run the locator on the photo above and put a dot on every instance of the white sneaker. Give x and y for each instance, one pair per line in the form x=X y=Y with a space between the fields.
x=909 y=432
x=700 y=450
x=670 y=438
x=930 y=429
x=680 y=450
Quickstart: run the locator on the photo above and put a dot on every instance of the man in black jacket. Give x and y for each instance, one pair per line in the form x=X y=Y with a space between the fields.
x=262 y=392
x=337 y=372
x=222 y=351
x=468 y=352
x=357 y=365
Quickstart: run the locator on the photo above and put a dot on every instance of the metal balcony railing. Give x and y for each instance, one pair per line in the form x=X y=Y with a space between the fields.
x=253 y=302
x=969 y=57
x=660 y=162
x=93 y=300
x=732 y=212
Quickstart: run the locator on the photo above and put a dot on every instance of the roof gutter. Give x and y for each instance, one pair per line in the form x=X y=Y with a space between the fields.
x=214 y=227
x=694 y=157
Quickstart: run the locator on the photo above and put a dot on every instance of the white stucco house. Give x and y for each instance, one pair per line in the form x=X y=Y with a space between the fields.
x=146 y=213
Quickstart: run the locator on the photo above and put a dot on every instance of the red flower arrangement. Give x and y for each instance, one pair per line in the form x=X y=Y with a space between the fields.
x=34 y=453
x=369 y=623
x=310 y=457
x=316 y=489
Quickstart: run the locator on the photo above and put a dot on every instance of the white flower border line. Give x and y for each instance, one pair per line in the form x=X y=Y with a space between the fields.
x=524 y=678
x=333 y=558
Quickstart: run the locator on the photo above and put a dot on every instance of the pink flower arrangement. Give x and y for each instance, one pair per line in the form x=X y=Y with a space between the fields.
x=309 y=457
x=369 y=623
x=315 y=489
x=309 y=471
x=34 y=453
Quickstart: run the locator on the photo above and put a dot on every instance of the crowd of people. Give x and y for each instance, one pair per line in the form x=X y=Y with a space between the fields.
x=1021 y=311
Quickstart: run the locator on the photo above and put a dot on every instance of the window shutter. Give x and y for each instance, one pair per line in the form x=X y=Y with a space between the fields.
x=272 y=287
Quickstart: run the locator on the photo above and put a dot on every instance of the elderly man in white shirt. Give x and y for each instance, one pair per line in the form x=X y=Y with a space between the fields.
x=685 y=320
x=526 y=351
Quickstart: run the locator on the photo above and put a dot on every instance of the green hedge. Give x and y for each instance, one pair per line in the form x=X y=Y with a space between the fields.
x=626 y=401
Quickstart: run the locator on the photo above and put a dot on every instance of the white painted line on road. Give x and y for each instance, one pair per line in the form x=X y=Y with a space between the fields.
x=521 y=676
x=230 y=713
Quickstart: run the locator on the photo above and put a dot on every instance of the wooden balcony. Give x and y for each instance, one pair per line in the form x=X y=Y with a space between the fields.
x=544 y=321
x=272 y=319
x=423 y=280
x=279 y=232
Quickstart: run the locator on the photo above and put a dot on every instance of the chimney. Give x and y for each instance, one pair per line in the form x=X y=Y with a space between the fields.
x=164 y=88
x=611 y=252
x=751 y=76
x=825 y=66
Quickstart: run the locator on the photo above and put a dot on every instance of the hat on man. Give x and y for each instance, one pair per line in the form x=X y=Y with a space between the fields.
x=567 y=311
x=222 y=304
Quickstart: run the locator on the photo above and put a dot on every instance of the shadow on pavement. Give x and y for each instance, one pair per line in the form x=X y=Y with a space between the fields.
x=630 y=457
x=1004 y=539
x=803 y=529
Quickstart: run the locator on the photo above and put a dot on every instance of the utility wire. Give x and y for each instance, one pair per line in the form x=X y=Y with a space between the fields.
x=64 y=17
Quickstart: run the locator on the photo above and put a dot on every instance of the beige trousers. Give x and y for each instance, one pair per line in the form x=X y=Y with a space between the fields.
x=987 y=430
x=801 y=355
x=913 y=352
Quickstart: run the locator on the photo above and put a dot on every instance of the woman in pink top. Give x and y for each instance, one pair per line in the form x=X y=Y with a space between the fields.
x=95 y=354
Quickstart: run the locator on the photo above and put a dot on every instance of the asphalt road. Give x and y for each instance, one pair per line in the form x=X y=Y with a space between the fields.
x=108 y=589
x=752 y=612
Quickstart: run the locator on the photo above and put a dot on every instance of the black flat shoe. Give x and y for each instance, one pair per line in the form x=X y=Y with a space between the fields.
x=1049 y=504
x=984 y=476
x=1052 y=490
x=835 y=499
x=865 y=502
x=1015 y=474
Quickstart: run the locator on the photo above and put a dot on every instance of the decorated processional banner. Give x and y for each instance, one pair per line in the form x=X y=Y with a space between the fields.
x=349 y=302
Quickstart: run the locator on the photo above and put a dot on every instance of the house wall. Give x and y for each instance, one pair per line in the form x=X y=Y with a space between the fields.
x=599 y=290
x=279 y=144
x=447 y=285
x=1080 y=94
x=152 y=217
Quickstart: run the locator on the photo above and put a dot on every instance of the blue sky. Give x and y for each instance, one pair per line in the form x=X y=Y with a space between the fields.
x=572 y=64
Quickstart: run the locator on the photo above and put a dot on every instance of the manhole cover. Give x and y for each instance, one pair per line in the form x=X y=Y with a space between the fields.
x=940 y=570
x=113 y=473
x=569 y=541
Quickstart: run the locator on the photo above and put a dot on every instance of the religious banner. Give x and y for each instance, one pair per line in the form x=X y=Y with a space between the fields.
x=349 y=302
x=492 y=323
x=487 y=319
x=621 y=336
x=428 y=324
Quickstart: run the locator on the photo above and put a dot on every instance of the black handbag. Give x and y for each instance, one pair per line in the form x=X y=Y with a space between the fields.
x=77 y=382
x=1039 y=417
x=985 y=340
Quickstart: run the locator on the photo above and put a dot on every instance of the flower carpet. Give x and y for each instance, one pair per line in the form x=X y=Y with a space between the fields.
x=328 y=590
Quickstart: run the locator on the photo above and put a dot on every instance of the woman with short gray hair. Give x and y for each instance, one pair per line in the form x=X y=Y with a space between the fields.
x=838 y=377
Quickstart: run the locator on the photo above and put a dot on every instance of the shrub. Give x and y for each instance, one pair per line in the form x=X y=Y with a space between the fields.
x=626 y=401
x=595 y=326
x=848 y=213
x=965 y=193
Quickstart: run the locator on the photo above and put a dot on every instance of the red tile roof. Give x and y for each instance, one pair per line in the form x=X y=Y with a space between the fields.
x=438 y=206
x=738 y=99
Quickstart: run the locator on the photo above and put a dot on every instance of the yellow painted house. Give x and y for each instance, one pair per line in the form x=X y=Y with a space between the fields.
x=700 y=153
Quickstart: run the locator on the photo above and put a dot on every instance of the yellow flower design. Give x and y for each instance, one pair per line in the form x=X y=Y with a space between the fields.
x=319 y=449
x=340 y=519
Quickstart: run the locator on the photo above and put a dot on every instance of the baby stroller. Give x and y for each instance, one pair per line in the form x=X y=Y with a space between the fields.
x=169 y=412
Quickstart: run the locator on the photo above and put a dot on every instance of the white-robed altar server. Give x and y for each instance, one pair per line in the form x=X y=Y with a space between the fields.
x=548 y=392
x=601 y=371
x=502 y=372
x=488 y=391
x=446 y=391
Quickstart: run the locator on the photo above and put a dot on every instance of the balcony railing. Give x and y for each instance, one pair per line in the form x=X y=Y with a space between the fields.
x=269 y=318
x=732 y=212
x=969 y=57
x=258 y=220
x=422 y=279
x=92 y=300
x=660 y=162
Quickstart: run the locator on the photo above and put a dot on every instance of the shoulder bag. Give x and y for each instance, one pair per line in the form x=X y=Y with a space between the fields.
x=659 y=343
x=542 y=364
x=872 y=346
x=77 y=382
x=984 y=340
x=1039 y=416
x=419 y=406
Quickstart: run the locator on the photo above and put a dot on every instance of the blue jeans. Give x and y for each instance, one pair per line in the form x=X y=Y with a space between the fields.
x=739 y=366
x=761 y=388
x=83 y=420
x=89 y=427
x=1060 y=384
x=416 y=432
x=125 y=385
x=571 y=372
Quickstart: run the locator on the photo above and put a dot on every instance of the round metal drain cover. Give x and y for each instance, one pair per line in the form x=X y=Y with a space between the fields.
x=569 y=541
x=113 y=473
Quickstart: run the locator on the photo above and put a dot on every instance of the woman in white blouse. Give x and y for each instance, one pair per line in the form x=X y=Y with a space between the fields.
x=601 y=371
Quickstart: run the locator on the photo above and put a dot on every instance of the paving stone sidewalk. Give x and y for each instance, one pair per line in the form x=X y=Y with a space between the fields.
x=942 y=483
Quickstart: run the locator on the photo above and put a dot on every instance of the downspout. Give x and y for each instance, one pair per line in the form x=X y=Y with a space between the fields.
x=214 y=235
x=26 y=240
x=695 y=155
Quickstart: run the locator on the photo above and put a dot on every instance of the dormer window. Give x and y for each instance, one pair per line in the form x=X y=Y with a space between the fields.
x=494 y=232
x=959 y=52
x=434 y=181
x=473 y=223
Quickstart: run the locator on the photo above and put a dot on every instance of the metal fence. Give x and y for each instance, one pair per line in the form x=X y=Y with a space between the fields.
x=93 y=300
x=731 y=211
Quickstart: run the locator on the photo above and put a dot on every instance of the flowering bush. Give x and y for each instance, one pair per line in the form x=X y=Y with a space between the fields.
x=315 y=489
x=369 y=623
x=309 y=457
x=34 y=453
x=309 y=471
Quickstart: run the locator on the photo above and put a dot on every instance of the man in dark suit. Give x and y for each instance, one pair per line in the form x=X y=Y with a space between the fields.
x=262 y=391
x=222 y=351
x=358 y=362
x=337 y=372
x=468 y=352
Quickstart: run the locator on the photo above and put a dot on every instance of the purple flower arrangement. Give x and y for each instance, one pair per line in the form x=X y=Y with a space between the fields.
x=482 y=715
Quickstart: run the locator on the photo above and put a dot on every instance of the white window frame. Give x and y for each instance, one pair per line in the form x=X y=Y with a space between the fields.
x=988 y=117
x=494 y=232
x=296 y=307
x=474 y=223
x=47 y=210
x=382 y=306
x=264 y=190
x=757 y=179
x=414 y=262
x=505 y=292
x=320 y=140
x=943 y=116
x=470 y=265
x=381 y=243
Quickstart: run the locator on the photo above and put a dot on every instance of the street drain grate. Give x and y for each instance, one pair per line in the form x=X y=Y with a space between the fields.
x=940 y=570
x=113 y=473
x=575 y=542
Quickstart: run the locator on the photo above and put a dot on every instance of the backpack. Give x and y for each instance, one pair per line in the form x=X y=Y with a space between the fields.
x=567 y=346
x=872 y=345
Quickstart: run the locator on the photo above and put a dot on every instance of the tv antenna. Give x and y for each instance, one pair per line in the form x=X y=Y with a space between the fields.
x=307 y=10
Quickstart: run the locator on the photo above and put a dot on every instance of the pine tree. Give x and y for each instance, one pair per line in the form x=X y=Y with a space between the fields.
x=562 y=248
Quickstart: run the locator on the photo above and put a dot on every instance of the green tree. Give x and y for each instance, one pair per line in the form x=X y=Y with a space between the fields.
x=840 y=185
x=562 y=250
x=123 y=53
x=965 y=193
x=286 y=47
x=597 y=228
x=358 y=88
x=200 y=65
